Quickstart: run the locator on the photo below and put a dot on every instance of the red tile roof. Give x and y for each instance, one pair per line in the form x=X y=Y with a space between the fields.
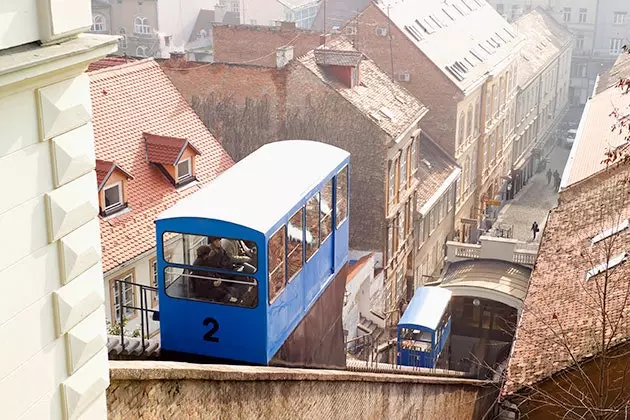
x=108 y=62
x=129 y=100
x=562 y=310
x=166 y=150
x=104 y=169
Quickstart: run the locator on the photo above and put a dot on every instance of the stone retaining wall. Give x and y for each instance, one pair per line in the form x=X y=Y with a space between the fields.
x=167 y=390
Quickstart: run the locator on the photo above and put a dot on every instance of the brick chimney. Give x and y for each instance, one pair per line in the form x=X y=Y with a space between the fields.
x=287 y=26
x=178 y=57
x=284 y=55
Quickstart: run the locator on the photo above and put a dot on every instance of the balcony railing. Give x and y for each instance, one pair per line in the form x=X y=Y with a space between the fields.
x=490 y=247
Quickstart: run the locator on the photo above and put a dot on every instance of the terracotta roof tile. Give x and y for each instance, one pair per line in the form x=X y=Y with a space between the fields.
x=107 y=62
x=104 y=169
x=561 y=306
x=434 y=169
x=166 y=150
x=378 y=97
x=129 y=100
x=354 y=268
x=331 y=57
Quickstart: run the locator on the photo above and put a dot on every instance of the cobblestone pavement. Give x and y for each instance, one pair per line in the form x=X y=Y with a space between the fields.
x=535 y=200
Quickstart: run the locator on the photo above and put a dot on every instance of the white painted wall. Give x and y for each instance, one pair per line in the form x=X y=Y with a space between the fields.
x=178 y=17
x=264 y=12
x=357 y=298
x=54 y=361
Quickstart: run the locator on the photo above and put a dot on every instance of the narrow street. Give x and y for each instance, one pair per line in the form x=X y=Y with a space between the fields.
x=535 y=200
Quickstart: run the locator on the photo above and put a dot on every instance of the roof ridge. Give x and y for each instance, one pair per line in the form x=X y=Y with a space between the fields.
x=123 y=66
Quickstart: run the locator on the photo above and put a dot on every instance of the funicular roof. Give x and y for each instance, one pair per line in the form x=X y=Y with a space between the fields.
x=426 y=307
x=262 y=188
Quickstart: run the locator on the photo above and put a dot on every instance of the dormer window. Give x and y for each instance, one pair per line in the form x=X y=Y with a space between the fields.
x=343 y=65
x=174 y=157
x=113 y=196
x=112 y=182
x=183 y=170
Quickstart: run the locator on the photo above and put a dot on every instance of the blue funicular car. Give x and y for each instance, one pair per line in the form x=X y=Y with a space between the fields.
x=281 y=215
x=424 y=327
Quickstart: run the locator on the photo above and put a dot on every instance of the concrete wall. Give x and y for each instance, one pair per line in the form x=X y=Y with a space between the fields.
x=171 y=390
x=54 y=360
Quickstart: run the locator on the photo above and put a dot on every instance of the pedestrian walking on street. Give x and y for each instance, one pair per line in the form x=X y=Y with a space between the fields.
x=556 y=179
x=549 y=176
x=535 y=230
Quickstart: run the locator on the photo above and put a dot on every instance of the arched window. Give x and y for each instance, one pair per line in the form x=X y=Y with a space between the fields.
x=141 y=51
x=461 y=129
x=141 y=25
x=470 y=121
x=203 y=33
x=123 y=40
x=98 y=23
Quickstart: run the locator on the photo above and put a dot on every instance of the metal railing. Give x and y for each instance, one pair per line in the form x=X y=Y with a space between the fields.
x=144 y=309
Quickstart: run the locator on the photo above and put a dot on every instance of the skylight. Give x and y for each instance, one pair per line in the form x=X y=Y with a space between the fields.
x=600 y=268
x=414 y=33
x=610 y=232
x=389 y=114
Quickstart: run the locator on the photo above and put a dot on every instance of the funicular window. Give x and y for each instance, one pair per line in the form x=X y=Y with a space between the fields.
x=277 y=270
x=415 y=340
x=342 y=196
x=295 y=248
x=214 y=269
x=312 y=226
x=326 y=210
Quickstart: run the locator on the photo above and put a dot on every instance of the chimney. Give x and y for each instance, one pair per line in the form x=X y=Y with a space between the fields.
x=324 y=39
x=284 y=55
x=287 y=26
x=178 y=57
x=219 y=13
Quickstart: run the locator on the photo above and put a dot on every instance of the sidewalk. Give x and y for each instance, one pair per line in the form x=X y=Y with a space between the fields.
x=535 y=200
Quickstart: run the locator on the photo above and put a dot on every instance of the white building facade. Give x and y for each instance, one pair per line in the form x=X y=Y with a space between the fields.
x=54 y=361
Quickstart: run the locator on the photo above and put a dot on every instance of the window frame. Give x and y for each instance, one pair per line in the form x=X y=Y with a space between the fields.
x=301 y=210
x=142 y=48
x=141 y=26
x=103 y=23
x=621 y=15
x=339 y=221
x=582 y=13
x=331 y=214
x=189 y=175
x=123 y=40
x=113 y=295
x=282 y=263
x=120 y=203
x=403 y=170
x=615 y=46
x=308 y=258
x=414 y=155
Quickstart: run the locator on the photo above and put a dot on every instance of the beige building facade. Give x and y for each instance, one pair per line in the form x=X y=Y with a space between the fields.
x=54 y=362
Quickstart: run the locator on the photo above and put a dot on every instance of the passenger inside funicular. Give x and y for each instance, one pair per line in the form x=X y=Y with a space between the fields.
x=223 y=254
